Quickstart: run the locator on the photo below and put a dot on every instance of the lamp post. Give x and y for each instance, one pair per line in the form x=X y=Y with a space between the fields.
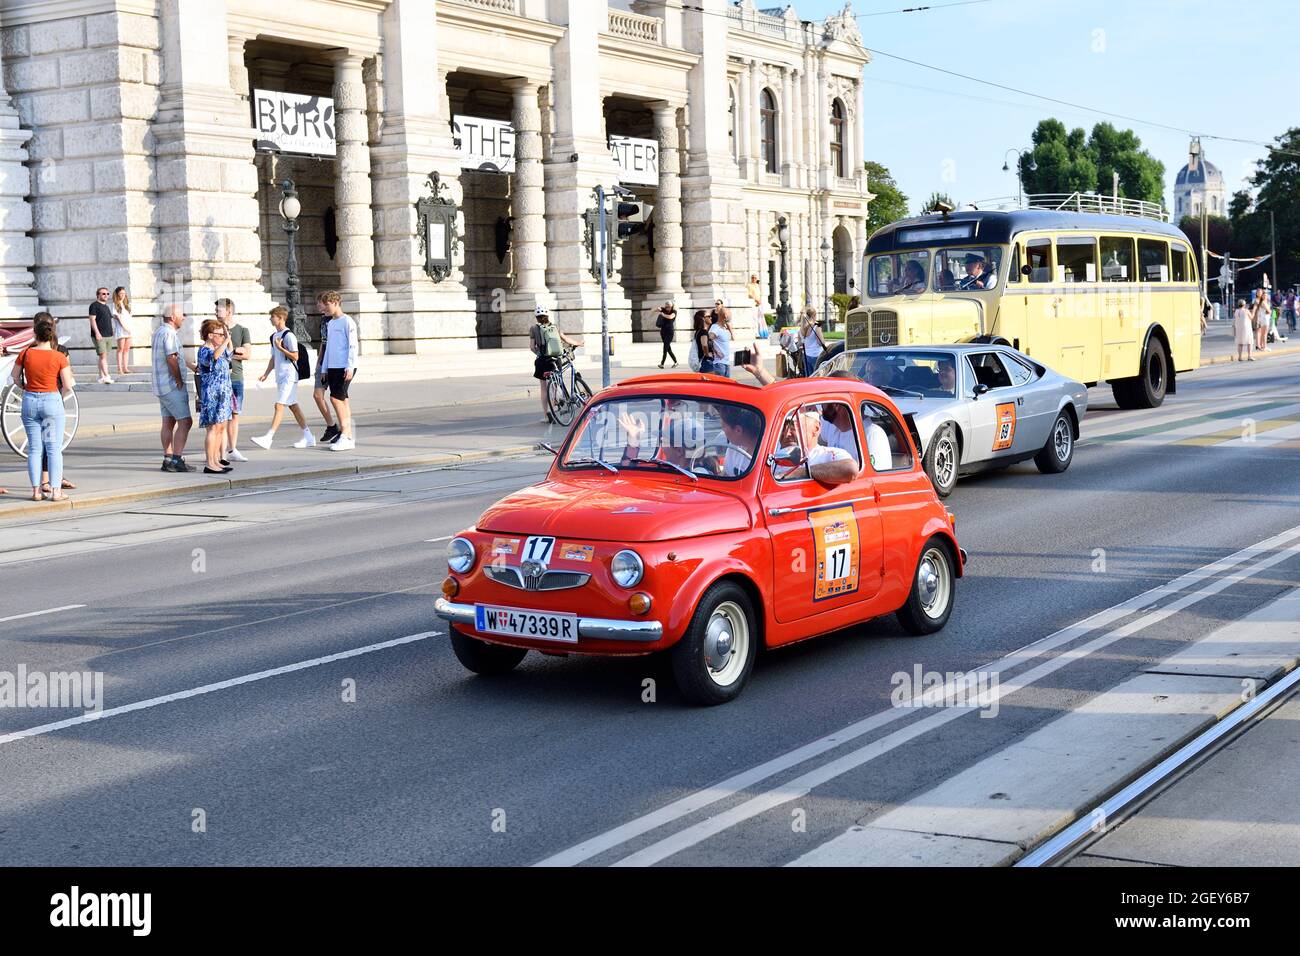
x=784 y=315
x=826 y=291
x=1020 y=179
x=290 y=209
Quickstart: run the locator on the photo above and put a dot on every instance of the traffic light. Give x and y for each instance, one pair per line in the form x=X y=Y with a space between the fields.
x=632 y=217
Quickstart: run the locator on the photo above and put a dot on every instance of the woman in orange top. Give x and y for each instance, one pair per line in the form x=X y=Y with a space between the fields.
x=44 y=375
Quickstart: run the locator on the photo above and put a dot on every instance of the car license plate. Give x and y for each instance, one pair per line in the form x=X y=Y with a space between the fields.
x=539 y=625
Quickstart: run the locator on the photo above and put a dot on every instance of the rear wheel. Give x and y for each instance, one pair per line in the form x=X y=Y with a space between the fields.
x=941 y=460
x=713 y=660
x=484 y=658
x=1148 y=388
x=1057 y=454
x=558 y=400
x=929 y=603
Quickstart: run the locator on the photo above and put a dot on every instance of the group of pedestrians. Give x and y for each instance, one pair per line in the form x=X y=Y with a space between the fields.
x=1253 y=324
x=219 y=379
x=110 y=328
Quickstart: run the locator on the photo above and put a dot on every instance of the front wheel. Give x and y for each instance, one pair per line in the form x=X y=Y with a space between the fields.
x=581 y=391
x=484 y=658
x=713 y=660
x=941 y=459
x=558 y=400
x=1057 y=454
x=929 y=603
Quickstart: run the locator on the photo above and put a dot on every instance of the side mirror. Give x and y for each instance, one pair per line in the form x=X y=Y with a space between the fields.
x=1026 y=270
x=545 y=447
x=789 y=457
x=980 y=389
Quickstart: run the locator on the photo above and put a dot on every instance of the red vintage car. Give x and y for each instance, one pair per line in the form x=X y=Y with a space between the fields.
x=705 y=517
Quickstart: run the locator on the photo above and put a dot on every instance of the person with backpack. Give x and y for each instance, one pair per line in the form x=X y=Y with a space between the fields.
x=290 y=364
x=547 y=344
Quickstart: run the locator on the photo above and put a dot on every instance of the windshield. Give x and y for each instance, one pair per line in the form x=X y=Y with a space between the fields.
x=666 y=433
x=966 y=270
x=901 y=373
x=897 y=273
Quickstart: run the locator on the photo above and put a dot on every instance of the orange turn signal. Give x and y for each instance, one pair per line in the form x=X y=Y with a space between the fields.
x=952 y=520
x=639 y=603
x=450 y=587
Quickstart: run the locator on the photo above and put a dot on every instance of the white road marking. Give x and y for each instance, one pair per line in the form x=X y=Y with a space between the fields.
x=735 y=785
x=210 y=688
x=50 y=610
x=445 y=537
x=807 y=782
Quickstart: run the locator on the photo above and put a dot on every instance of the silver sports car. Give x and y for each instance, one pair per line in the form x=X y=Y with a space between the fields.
x=974 y=407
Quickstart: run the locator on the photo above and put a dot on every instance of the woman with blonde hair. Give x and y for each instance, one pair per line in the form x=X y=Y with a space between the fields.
x=1261 y=319
x=216 y=397
x=122 y=328
x=1242 y=335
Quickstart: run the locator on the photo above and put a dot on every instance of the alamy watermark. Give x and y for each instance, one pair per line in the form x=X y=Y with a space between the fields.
x=81 y=690
x=922 y=688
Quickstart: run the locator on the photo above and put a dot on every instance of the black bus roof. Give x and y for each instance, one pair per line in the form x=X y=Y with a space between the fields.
x=996 y=227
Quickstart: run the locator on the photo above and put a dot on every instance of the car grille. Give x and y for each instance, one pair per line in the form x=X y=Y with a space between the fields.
x=884 y=327
x=535 y=581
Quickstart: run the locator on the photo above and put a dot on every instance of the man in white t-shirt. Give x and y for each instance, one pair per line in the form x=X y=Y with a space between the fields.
x=826 y=464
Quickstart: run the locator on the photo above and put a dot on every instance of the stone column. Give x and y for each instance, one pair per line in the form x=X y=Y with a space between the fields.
x=806 y=88
x=712 y=203
x=353 y=218
x=826 y=173
x=17 y=250
x=743 y=109
x=414 y=142
x=859 y=250
x=755 y=122
x=797 y=126
x=527 y=201
x=578 y=160
x=859 y=128
x=668 y=211
x=785 y=140
x=207 y=209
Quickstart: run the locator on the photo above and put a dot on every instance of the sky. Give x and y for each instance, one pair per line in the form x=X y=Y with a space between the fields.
x=1190 y=64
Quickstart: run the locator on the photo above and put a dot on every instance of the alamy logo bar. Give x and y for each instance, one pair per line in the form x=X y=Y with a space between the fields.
x=83 y=690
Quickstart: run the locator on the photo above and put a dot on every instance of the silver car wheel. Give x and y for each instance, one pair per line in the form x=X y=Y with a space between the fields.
x=1062 y=439
x=934 y=583
x=945 y=462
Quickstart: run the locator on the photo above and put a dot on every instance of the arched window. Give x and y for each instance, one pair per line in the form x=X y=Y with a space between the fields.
x=767 y=129
x=837 y=137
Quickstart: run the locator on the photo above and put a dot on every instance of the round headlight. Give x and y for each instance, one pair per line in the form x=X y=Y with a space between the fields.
x=627 y=568
x=460 y=555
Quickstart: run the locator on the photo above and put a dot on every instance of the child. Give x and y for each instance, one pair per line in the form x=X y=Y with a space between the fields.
x=284 y=359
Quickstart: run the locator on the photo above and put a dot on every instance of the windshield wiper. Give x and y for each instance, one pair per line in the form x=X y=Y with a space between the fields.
x=668 y=464
x=593 y=461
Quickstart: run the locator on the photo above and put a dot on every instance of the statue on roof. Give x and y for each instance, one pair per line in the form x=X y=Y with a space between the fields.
x=843 y=26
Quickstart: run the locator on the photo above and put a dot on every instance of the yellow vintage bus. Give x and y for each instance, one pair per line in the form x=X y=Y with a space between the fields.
x=1096 y=297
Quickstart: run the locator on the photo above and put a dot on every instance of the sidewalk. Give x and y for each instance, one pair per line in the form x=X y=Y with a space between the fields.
x=116 y=456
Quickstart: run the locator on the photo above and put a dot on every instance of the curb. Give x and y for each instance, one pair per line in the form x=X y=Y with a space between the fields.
x=18 y=512
x=1229 y=359
x=141 y=428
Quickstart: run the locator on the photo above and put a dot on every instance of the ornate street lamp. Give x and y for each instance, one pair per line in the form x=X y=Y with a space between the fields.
x=290 y=209
x=1020 y=178
x=784 y=314
x=436 y=214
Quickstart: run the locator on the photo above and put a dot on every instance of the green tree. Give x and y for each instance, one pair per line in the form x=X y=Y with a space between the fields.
x=935 y=197
x=890 y=205
x=1277 y=178
x=1073 y=161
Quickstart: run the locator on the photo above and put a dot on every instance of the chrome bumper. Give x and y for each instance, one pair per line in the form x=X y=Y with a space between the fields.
x=599 y=628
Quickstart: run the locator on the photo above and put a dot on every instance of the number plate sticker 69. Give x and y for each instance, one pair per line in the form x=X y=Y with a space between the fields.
x=516 y=622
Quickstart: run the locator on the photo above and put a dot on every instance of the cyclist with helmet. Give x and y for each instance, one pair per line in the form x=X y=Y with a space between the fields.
x=547 y=343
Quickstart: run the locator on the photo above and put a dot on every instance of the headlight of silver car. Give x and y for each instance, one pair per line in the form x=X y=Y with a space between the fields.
x=460 y=555
x=627 y=568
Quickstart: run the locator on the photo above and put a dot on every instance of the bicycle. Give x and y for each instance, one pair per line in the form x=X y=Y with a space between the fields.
x=11 y=400
x=566 y=392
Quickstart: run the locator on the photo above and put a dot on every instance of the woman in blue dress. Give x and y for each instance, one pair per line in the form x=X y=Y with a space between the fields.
x=215 y=394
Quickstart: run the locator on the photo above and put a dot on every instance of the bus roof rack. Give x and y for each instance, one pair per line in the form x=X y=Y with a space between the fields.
x=1097 y=202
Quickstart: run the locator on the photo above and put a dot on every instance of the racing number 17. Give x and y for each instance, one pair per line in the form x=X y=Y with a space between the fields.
x=538 y=549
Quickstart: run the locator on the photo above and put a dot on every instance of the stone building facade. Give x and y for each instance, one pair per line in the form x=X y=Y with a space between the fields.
x=128 y=157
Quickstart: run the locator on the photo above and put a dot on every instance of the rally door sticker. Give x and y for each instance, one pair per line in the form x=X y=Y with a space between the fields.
x=1006 y=431
x=835 y=539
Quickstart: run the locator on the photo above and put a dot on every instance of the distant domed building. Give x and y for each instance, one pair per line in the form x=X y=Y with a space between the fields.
x=1199 y=183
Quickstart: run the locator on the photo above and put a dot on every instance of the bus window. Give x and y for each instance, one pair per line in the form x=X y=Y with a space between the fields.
x=898 y=274
x=1153 y=258
x=1038 y=256
x=1076 y=259
x=1117 y=260
x=1013 y=273
x=1178 y=253
x=969 y=270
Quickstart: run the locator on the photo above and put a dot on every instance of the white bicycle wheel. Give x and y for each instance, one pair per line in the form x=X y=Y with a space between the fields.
x=11 y=419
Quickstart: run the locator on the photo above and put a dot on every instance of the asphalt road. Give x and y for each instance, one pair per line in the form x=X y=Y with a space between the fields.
x=241 y=625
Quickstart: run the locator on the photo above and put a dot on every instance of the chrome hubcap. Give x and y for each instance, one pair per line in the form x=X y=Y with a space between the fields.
x=945 y=461
x=1063 y=439
x=726 y=643
x=933 y=583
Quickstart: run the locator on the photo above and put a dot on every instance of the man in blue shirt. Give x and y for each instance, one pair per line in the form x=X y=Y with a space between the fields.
x=340 y=364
